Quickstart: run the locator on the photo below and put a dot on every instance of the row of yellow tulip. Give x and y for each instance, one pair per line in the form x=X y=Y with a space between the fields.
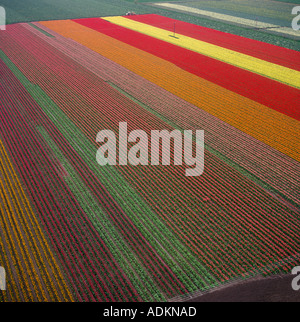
x=280 y=73
x=35 y=274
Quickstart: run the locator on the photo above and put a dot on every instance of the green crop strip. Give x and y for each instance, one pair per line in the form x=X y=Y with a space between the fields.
x=106 y=230
x=40 y=30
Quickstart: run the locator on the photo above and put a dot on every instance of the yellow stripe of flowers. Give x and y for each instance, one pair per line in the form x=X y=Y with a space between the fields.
x=279 y=73
x=38 y=271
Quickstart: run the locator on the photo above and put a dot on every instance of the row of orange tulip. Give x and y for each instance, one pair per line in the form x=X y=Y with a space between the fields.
x=25 y=245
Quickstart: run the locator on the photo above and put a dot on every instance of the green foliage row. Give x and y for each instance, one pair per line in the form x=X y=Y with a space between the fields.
x=290 y=1
x=37 y=10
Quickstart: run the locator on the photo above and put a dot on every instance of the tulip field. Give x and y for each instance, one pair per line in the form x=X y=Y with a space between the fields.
x=72 y=230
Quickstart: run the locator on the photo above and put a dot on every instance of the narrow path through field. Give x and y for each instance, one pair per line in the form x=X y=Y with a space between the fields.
x=232 y=19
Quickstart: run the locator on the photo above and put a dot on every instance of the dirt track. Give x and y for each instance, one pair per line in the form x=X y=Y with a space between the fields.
x=272 y=289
